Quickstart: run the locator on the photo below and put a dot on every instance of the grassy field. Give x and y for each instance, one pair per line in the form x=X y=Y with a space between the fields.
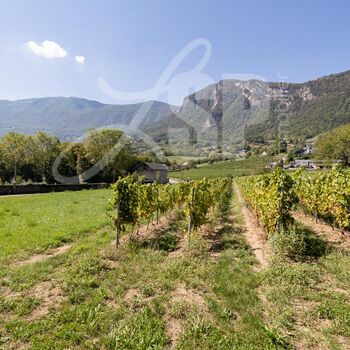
x=183 y=159
x=241 y=167
x=155 y=292
x=33 y=223
x=151 y=294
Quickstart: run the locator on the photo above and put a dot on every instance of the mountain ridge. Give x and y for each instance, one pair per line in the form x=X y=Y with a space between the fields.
x=70 y=117
x=229 y=112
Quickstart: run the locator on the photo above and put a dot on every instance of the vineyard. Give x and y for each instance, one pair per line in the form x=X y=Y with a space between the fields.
x=135 y=203
x=325 y=195
x=64 y=285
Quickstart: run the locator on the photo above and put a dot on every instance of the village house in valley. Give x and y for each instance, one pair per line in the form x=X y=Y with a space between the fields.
x=152 y=172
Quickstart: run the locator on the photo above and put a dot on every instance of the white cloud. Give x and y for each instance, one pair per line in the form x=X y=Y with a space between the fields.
x=80 y=59
x=47 y=49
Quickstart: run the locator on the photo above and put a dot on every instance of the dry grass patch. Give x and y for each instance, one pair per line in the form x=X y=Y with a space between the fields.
x=183 y=302
x=7 y=292
x=41 y=257
x=191 y=297
x=50 y=295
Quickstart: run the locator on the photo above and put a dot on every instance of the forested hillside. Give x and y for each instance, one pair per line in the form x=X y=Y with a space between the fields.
x=69 y=118
x=225 y=114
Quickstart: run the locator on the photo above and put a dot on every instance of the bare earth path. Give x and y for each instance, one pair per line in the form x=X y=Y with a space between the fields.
x=254 y=234
x=43 y=256
x=329 y=234
x=23 y=195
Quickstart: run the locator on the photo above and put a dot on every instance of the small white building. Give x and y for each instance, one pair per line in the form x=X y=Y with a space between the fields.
x=304 y=163
x=307 y=149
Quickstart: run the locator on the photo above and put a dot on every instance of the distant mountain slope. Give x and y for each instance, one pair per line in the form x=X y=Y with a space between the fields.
x=71 y=117
x=232 y=111
x=226 y=113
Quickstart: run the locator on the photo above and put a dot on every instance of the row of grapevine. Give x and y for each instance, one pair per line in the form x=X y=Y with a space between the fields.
x=135 y=202
x=271 y=198
x=326 y=195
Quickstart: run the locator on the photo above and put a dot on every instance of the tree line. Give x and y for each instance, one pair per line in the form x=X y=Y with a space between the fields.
x=30 y=158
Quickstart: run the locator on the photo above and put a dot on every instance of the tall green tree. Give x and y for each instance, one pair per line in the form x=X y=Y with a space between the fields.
x=14 y=150
x=111 y=150
x=335 y=145
x=46 y=149
x=102 y=143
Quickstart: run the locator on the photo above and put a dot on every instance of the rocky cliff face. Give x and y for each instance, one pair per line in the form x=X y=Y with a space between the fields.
x=232 y=111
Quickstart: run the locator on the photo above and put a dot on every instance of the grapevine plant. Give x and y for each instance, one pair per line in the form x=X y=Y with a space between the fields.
x=135 y=202
x=125 y=201
x=326 y=195
x=271 y=198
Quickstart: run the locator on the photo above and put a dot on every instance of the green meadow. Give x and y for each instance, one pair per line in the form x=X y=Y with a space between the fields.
x=239 y=167
x=34 y=223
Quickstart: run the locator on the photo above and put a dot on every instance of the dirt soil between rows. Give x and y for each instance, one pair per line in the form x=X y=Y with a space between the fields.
x=253 y=233
x=329 y=234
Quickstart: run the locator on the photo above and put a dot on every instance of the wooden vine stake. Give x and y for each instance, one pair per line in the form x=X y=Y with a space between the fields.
x=157 y=189
x=190 y=221
x=117 y=224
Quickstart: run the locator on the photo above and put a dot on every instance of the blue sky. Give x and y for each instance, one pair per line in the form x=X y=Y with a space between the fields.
x=130 y=43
